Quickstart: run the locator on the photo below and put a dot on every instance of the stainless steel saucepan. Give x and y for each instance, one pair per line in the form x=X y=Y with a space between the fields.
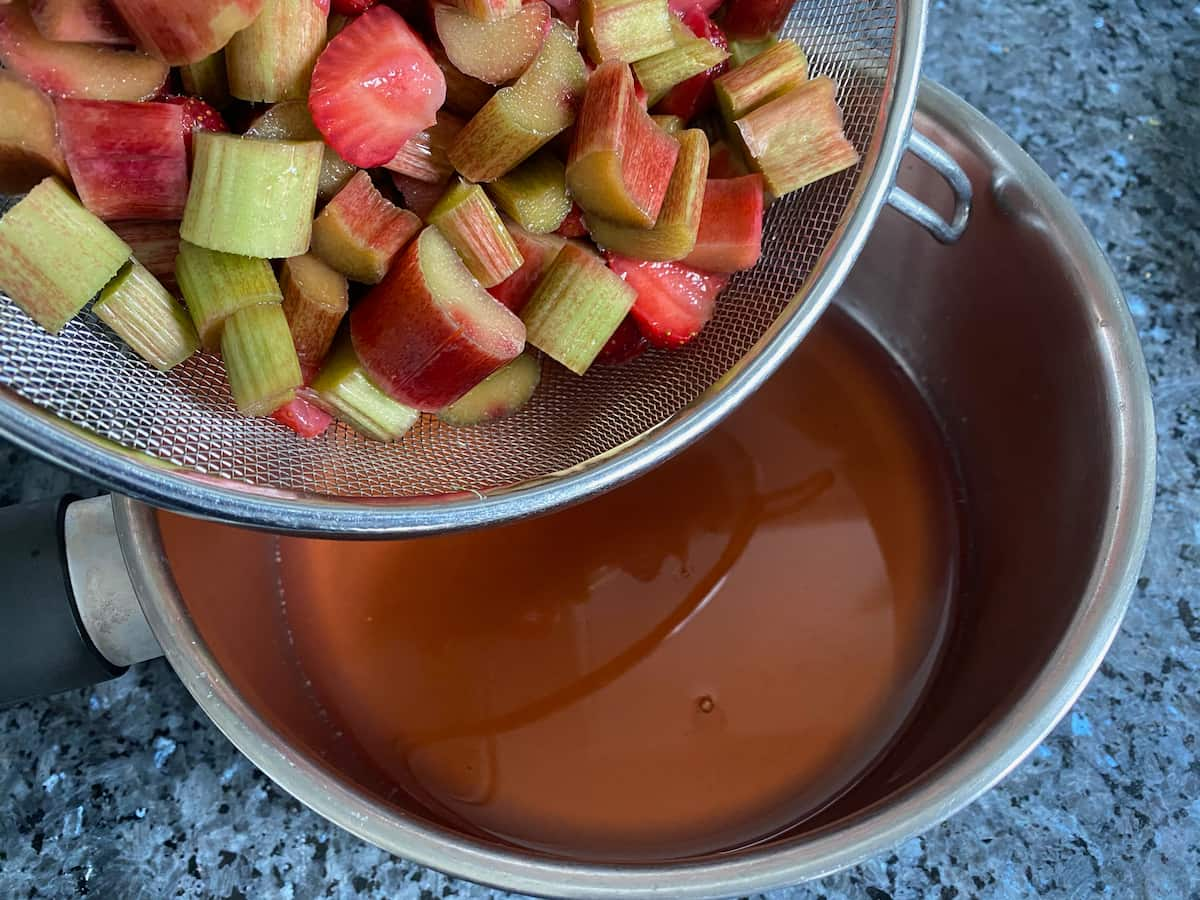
x=1020 y=341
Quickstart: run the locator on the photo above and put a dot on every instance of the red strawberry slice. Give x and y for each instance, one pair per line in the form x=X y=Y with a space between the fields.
x=304 y=417
x=708 y=7
x=695 y=96
x=375 y=86
x=626 y=344
x=196 y=114
x=352 y=7
x=674 y=301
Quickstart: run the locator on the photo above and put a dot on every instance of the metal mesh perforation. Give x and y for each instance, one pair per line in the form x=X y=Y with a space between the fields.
x=187 y=417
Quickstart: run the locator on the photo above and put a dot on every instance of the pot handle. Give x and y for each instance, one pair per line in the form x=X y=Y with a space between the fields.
x=912 y=208
x=68 y=613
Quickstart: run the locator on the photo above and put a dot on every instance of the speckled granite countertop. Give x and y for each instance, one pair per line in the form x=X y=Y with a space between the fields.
x=128 y=791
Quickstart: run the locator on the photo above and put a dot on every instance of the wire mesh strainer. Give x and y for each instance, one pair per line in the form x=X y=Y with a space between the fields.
x=84 y=400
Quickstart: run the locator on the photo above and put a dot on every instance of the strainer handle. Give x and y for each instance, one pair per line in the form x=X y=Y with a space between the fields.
x=929 y=219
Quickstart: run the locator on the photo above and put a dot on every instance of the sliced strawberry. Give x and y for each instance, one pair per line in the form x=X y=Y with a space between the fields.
x=674 y=301
x=708 y=7
x=375 y=86
x=731 y=220
x=127 y=160
x=196 y=114
x=352 y=7
x=626 y=344
x=304 y=417
x=572 y=226
x=695 y=96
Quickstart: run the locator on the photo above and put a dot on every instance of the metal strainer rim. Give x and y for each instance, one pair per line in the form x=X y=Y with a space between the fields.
x=159 y=483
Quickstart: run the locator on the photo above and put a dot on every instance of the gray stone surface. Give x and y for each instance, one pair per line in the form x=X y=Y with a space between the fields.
x=128 y=791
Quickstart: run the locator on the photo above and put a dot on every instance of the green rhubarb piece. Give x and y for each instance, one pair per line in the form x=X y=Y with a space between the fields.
x=742 y=50
x=670 y=124
x=625 y=30
x=215 y=285
x=692 y=55
x=464 y=95
x=488 y=9
x=534 y=194
x=147 y=318
x=578 y=305
x=520 y=119
x=315 y=299
x=55 y=255
x=273 y=57
x=291 y=121
x=498 y=396
x=771 y=74
x=250 y=196
x=345 y=391
x=797 y=139
x=207 y=80
x=360 y=232
x=260 y=359
x=674 y=234
x=469 y=221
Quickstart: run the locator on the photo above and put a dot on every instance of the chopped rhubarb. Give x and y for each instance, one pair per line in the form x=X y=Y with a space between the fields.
x=291 y=121
x=303 y=416
x=272 y=59
x=625 y=30
x=672 y=125
x=674 y=233
x=428 y=333
x=681 y=7
x=730 y=236
x=725 y=161
x=769 y=75
x=185 y=31
x=493 y=50
x=128 y=160
x=252 y=196
x=626 y=344
x=155 y=245
x=419 y=196
x=360 y=232
x=29 y=149
x=197 y=116
x=465 y=95
x=691 y=57
x=573 y=225
x=538 y=251
x=80 y=21
x=75 y=70
x=216 y=285
x=260 y=359
x=755 y=18
x=519 y=120
x=488 y=9
x=55 y=255
x=742 y=50
x=674 y=301
x=500 y=395
x=695 y=96
x=146 y=317
x=567 y=10
x=471 y=224
x=534 y=193
x=620 y=162
x=375 y=86
x=344 y=389
x=207 y=79
x=577 y=307
x=315 y=300
x=797 y=139
x=425 y=157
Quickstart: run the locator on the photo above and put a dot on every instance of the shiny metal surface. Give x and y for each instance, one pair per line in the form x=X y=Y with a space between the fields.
x=929 y=219
x=174 y=441
x=1050 y=419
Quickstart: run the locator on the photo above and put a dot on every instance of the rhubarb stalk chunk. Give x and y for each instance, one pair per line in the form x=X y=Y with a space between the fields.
x=674 y=234
x=207 y=79
x=519 y=120
x=731 y=220
x=691 y=56
x=625 y=30
x=291 y=121
x=181 y=33
x=769 y=75
x=55 y=255
x=315 y=300
x=620 y=162
x=471 y=224
x=500 y=395
x=488 y=9
x=797 y=139
x=80 y=21
x=576 y=308
x=215 y=285
x=359 y=232
x=538 y=251
x=260 y=359
x=250 y=196
x=534 y=193
x=428 y=333
x=344 y=389
x=147 y=318
x=426 y=156
x=495 y=50
x=155 y=245
x=29 y=148
x=128 y=160
x=273 y=58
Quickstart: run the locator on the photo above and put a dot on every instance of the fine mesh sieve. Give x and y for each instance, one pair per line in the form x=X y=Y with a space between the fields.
x=175 y=440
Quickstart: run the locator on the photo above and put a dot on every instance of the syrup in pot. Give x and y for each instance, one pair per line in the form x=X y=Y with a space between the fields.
x=690 y=663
